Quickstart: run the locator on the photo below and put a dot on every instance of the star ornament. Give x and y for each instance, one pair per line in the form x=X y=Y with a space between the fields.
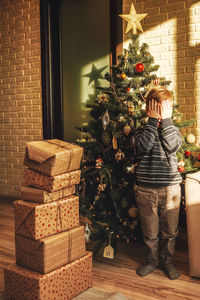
x=95 y=74
x=133 y=20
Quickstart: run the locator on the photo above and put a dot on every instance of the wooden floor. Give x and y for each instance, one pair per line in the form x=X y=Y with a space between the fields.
x=118 y=274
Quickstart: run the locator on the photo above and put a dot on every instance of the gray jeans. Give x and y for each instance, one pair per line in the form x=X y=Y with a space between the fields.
x=159 y=215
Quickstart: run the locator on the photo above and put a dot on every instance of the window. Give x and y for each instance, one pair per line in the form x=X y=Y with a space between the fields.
x=60 y=25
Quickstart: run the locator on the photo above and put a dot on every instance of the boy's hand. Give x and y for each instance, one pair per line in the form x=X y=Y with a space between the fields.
x=166 y=109
x=153 y=110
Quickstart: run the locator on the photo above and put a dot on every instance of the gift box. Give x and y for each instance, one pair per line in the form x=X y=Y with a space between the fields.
x=50 y=183
x=41 y=196
x=61 y=284
x=37 y=221
x=53 y=157
x=49 y=253
x=192 y=201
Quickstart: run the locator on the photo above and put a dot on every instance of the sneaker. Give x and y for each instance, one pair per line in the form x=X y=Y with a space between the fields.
x=171 y=271
x=145 y=270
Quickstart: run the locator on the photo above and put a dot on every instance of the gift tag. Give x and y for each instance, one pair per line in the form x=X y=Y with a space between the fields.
x=108 y=252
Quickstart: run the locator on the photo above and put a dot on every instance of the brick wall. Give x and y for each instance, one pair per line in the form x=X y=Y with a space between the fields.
x=172 y=31
x=20 y=93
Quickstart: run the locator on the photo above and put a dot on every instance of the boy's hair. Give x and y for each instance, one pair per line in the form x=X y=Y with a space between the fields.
x=159 y=94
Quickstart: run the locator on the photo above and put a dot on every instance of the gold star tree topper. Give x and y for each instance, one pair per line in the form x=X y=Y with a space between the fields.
x=133 y=20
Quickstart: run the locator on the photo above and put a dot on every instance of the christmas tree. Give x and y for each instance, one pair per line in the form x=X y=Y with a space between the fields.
x=107 y=199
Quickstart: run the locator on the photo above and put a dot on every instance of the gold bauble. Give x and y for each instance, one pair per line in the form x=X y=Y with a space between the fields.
x=123 y=75
x=132 y=212
x=191 y=138
x=127 y=129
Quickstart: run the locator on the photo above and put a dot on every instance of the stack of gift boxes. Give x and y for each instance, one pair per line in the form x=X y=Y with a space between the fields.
x=51 y=260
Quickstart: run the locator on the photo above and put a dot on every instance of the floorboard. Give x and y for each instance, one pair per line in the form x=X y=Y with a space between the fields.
x=118 y=274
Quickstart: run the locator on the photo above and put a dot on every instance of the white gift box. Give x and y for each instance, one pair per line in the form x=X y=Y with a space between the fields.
x=192 y=200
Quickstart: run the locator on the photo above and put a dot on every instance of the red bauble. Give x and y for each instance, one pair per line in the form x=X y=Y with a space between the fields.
x=139 y=67
x=187 y=153
x=123 y=75
x=198 y=158
x=128 y=89
x=181 y=169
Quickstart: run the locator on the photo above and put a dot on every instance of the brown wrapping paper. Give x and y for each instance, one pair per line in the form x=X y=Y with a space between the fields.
x=51 y=252
x=37 y=221
x=53 y=157
x=41 y=196
x=48 y=183
x=192 y=201
x=61 y=284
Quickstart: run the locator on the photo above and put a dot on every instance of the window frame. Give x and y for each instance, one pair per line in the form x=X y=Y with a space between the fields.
x=51 y=61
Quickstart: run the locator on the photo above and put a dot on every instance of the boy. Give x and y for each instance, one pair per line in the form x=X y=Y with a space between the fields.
x=158 y=182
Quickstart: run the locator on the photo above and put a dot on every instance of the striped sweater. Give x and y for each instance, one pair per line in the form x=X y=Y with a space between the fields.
x=156 y=149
